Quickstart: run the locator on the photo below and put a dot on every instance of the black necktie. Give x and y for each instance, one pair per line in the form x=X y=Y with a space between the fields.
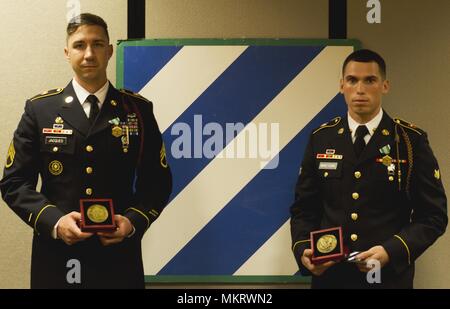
x=94 y=108
x=359 y=145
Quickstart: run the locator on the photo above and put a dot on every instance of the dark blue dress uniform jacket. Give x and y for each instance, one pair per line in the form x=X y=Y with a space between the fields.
x=90 y=163
x=372 y=206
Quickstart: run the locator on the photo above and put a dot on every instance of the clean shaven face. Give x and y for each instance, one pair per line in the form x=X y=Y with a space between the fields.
x=363 y=87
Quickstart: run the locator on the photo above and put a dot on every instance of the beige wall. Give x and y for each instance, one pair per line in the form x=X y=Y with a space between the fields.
x=237 y=18
x=413 y=37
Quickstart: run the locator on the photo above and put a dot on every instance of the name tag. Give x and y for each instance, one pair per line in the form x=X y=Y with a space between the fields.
x=55 y=140
x=328 y=165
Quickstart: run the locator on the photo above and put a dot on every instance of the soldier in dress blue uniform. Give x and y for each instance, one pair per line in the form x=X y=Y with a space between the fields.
x=87 y=141
x=374 y=176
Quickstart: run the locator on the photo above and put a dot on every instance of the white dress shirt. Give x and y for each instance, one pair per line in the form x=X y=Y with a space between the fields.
x=371 y=126
x=82 y=95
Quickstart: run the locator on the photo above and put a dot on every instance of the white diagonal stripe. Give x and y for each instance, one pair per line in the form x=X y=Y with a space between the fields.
x=273 y=258
x=201 y=200
x=185 y=77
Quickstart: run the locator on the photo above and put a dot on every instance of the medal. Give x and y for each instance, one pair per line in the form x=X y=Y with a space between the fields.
x=391 y=169
x=326 y=243
x=114 y=121
x=386 y=160
x=125 y=139
x=116 y=131
x=97 y=213
x=385 y=149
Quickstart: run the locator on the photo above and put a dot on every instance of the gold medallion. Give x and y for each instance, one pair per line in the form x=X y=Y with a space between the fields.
x=117 y=131
x=387 y=160
x=326 y=243
x=59 y=120
x=97 y=213
x=55 y=167
x=385 y=132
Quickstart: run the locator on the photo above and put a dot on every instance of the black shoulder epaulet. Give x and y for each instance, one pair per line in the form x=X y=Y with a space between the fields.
x=408 y=125
x=329 y=124
x=133 y=94
x=47 y=93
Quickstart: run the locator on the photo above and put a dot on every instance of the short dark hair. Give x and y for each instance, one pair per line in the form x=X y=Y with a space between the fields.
x=86 y=19
x=366 y=55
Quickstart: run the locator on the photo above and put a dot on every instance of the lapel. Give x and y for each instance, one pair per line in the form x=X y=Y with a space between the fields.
x=379 y=139
x=108 y=111
x=73 y=112
x=344 y=142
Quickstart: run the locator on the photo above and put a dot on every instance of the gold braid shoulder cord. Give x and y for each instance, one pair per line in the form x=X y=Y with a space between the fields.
x=409 y=150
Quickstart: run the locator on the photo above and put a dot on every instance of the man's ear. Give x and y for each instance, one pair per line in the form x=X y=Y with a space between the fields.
x=110 y=51
x=66 y=53
x=386 y=86
x=341 y=86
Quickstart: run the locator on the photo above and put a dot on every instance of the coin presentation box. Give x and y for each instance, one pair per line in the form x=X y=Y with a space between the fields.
x=327 y=245
x=97 y=215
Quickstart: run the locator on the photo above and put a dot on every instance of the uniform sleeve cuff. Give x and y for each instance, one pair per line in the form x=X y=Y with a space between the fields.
x=55 y=230
x=398 y=251
x=46 y=220
x=132 y=232
x=298 y=249
x=139 y=219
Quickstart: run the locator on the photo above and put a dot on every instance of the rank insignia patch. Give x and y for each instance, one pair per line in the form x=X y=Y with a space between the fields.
x=11 y=155
x=162 y=156
x=437 y=174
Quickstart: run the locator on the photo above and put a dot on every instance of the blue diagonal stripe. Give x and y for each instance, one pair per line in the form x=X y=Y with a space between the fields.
x=142 y=63
x=238 y=95
x=253 y=215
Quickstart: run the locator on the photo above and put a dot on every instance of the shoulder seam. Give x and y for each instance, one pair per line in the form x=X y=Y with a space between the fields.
x=407 y=125
x=136 y=95
x=334 y=122
x=47 y=94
